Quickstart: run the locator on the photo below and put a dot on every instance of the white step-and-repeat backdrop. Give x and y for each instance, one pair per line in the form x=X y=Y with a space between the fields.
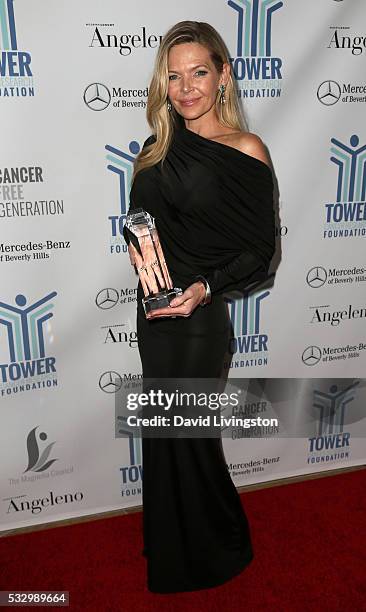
x=73 y=88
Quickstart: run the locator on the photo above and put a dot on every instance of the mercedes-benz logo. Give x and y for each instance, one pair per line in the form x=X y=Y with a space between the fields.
x=316 y=277
x=328 y=93
x=97 y=96
x=107 y=298
x=110 y=382
x=311 y=355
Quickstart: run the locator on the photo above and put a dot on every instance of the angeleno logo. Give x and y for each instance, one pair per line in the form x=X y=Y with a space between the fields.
x=346 y=217
x=126 y=43
x=257 y=71
x=356 y=44
x=36 y=506
x=16 y=77
x=325 y=314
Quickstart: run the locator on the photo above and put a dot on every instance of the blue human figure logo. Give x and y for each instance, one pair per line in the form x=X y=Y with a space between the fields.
x=351 y=162
x=8 y=35
x=254 y=26
x=332 y=407
x=134 y=440
x=245 y=313
x=121 y=163
x=14 y=63
x=25 y=326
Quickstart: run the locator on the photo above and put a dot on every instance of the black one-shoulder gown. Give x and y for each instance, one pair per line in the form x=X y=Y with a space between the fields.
x=212 y=206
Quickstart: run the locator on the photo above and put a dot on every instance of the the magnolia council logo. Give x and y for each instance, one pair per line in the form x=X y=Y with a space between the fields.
x=110 y=382
x=329 y=92
x=38 y=461
x=107 y=298
x=311 y=355
x=97 y=96
x=316 y=277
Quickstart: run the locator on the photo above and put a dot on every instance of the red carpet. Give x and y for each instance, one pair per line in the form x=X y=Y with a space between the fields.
x=309 y=542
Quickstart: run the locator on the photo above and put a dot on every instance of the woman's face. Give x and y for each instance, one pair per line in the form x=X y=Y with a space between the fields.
x=193 y=80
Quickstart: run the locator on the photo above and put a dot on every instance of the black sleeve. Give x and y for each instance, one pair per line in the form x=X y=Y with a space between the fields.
x=125 y=235
x=243 y=273
x=149 y=141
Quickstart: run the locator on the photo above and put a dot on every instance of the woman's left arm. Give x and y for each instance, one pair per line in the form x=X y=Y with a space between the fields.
x=243 y=273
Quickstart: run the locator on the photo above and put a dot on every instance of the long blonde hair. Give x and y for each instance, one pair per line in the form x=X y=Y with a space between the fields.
x=162 y=121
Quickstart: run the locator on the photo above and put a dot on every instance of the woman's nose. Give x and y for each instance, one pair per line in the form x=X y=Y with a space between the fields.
x=187 y=85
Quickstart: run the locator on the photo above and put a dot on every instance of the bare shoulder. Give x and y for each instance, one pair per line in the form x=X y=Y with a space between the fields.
x=252 y=145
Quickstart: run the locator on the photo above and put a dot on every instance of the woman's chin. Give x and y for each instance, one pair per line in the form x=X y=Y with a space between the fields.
x=190 y=113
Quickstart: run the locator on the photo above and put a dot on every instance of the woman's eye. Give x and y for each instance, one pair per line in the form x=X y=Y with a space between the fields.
x=201 y=72
x=172 y=77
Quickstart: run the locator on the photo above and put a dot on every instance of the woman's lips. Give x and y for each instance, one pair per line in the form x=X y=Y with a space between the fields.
x=189 y=102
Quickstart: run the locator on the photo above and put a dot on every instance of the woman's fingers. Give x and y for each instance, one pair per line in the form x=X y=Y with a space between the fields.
x=151 y=264
x=144 y=284
x=151 y=280
x=184 y=310
x=161 y=258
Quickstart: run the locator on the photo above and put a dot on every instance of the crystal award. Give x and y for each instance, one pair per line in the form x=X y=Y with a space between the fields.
x=150 y=261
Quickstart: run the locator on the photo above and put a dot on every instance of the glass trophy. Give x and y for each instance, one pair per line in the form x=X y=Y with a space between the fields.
x=150 y=261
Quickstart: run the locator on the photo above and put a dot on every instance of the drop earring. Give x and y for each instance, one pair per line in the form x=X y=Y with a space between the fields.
x=222 y=90
x=169 y=105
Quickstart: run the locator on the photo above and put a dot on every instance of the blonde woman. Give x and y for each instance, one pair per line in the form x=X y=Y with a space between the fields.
x=208 y=184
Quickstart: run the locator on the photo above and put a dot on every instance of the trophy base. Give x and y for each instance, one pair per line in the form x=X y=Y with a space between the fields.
x=160 y=300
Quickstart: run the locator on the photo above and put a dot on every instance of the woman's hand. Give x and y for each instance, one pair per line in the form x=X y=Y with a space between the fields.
x=182 y=305
x=153 y=279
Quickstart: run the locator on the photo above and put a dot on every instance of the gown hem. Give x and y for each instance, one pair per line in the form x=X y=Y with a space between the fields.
x=243 y=563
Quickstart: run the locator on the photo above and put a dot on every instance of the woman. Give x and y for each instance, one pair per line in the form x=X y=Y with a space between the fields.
x=207 y=183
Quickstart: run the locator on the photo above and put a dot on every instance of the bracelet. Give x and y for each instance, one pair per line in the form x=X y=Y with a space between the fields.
x=207 y=298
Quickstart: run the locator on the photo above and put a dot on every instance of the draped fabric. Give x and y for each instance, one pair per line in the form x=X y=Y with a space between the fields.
x=213 y=208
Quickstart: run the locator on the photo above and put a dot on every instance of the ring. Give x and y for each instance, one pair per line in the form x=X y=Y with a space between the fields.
x=142 y=268
x=154 y=263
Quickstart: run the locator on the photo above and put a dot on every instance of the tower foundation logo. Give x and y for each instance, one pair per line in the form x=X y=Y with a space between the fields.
x=121 y=164
x=16 y=77
x=346 y=217
x=248 y=345
x=28 y=367
x=257 y=71
x=131 y=475
x=331 y=442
